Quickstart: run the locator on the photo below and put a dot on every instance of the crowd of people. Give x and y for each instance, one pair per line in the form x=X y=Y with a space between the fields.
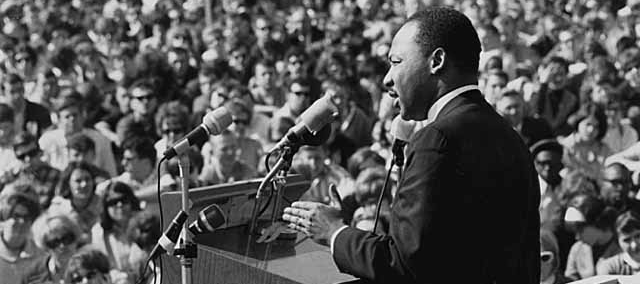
x=93 y=92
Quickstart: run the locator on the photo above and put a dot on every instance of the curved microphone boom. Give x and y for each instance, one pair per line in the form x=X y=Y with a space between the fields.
x=209 y=219
x=313 y=128
x=212 y=124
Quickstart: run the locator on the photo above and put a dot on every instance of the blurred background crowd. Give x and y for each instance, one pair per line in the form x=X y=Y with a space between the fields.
x=93 y=92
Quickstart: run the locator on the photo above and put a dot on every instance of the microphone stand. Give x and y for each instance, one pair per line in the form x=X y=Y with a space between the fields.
x=187 y=249
x=277 y=176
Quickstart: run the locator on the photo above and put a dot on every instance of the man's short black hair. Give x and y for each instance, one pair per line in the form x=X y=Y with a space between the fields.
x=451 y=30
x=142 y=146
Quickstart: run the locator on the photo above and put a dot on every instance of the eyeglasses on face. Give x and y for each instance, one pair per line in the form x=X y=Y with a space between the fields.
x=55 y=242
x=172 y=130
x=142 y=98
x=115 y=201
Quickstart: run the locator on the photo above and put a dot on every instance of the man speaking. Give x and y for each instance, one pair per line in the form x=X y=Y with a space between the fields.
x=466 y=210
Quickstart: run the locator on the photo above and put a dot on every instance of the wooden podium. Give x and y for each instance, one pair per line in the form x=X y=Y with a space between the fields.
x=231 y=255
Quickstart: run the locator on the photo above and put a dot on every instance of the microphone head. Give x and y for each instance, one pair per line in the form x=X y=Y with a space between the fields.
x=217 y=120
x=209 y=219
x=320 y=113
x=402 y=129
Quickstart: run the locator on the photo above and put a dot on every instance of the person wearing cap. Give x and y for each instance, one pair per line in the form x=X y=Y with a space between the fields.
x=18 y=209
x=593 y=222
x=547 y=158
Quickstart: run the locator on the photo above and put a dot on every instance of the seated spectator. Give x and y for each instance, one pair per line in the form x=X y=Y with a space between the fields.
x=138 y=161
x=81 y=148
x=60 y=237
x=510 y=104
x=620 y=136
x=30 y=117
x=172 y=123
x=170 y=181
x=298 y=100
x=110 y=234
x=77 y=198
x=549 y=260
x=554 y=102
x=71 y=114
x=583 y=148
x=10 y=164
x=312 y=162
x=89 y=265
x=18 y=209
x=626 y=262
x=547 y=155
x=616 y=188
x=264 y=90
x=33 y=170
x=495 y=80
x=363 y=159
x=369 y=185
x=224 y=165
x=250 y=149
x=144 y=102
x=144 y=231
x=593 y=223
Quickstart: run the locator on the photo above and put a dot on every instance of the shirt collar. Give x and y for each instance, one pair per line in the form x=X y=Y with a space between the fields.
x=444 y=100
x=630 y=261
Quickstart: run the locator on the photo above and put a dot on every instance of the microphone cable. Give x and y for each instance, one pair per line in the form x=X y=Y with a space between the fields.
x=381 y=196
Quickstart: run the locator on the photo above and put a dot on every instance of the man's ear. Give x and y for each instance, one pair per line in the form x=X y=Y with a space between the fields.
x=438 y=57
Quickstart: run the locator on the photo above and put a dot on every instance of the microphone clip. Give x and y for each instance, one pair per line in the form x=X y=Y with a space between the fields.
x=190 y=250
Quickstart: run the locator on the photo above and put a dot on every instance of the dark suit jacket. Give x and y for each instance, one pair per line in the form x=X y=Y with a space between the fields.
x=534 y=130
x=466 y=210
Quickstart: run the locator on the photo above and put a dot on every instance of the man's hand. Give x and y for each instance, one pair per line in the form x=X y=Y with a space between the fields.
x=316 y=220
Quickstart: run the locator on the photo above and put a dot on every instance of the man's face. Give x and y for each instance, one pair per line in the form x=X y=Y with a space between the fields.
x=313 y=160
x=265 y=76
x=262 y=29
x=135 y=165
x=298 y=97
x=178 y=61
x=548 y=165
x=81 y=184
x=225 y=151
x=295 y=66
x=409 y=77
x=630 y=243
x=70 y=119
x=511 y=108
x=143 y=101
x=13 y=93
x=17 y=225
x=557 y=76
x=615 y=186
x=494 y=86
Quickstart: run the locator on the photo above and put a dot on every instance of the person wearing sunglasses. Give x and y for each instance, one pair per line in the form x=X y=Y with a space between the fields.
x=18 y=208
x=593 y=223
x=58 y=235
x=89 y=265
x=249 y=146
x=143 y=104
x=119 y=205
x=628 y=234
x=172 y=123
x=550 y=272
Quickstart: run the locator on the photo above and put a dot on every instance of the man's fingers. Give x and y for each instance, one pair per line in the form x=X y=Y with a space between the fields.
x=305 y=205
x=299 y=228
x=298 y=212
x=297 y=220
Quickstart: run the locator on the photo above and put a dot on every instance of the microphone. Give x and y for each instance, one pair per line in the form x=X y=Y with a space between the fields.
x=169 y=237
x=402 y=131
x=209 y=219
x=212 y=124
x=313 y=128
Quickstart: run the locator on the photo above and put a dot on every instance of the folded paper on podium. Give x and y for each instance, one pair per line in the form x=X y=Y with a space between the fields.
x=232 y=255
